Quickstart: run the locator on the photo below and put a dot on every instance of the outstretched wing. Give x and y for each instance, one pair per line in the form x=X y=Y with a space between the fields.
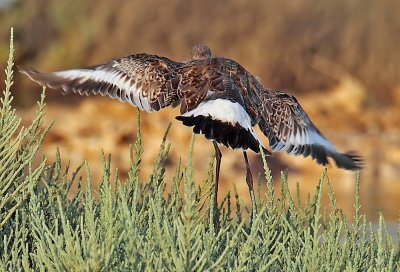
x=289 y=129
x=147 y=81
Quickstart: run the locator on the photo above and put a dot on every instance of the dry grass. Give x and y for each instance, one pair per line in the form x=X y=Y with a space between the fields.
x=276 y=40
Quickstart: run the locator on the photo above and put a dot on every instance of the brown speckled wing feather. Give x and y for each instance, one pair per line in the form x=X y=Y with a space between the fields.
x=147 y=81
x=289 y=129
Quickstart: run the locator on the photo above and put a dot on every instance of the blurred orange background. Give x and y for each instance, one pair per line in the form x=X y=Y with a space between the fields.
x=341 y=59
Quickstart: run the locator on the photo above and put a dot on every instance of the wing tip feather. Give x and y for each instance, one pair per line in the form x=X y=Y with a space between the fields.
x=349 y=161
x=26 y=70
x=33 y=74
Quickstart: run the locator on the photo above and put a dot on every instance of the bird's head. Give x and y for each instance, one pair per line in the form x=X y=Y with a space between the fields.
x=201 y=52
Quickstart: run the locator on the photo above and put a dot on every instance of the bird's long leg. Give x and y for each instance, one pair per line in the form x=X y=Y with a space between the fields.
x=249 y=181
x=218 y=157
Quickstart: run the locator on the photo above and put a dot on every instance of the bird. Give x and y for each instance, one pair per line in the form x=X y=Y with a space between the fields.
x=218 y=98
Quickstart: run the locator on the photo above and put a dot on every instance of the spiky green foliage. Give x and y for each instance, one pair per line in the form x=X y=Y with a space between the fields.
x=131 y=225
x=18 y=146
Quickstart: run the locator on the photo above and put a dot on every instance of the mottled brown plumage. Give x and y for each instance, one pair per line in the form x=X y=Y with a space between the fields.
x=151 y=83
x=201 y=52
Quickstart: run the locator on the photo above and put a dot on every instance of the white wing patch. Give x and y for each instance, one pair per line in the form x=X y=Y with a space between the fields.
x=303 y=137
x=129 y=93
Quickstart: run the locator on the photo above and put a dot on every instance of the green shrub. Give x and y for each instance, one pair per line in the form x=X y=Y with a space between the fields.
x=133 y=225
